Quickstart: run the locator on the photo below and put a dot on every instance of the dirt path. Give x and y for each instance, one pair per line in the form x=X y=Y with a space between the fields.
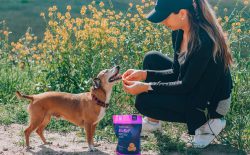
x=12 y=143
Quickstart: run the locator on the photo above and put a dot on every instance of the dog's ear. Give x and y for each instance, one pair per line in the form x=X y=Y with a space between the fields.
x=96 y=83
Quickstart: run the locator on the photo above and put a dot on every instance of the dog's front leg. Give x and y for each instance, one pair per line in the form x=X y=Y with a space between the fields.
x=89 y=136
x=93 y=127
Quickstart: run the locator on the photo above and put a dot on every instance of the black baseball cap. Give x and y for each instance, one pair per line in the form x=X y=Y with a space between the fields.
x=164 y=8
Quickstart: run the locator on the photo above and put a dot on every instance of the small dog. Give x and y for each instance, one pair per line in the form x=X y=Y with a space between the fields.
x=84 y=109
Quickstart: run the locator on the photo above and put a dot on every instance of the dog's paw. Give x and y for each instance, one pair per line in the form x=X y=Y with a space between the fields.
x=29 y=148
x=92 y=149
x=48 y=143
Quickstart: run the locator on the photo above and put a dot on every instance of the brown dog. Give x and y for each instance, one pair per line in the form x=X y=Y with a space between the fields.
x=84 y=110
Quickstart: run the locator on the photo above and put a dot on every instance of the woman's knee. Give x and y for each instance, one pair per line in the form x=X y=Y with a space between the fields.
x=150 y=58
x=155 y=60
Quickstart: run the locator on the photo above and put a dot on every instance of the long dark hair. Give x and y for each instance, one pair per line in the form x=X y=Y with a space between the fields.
x=201 y=15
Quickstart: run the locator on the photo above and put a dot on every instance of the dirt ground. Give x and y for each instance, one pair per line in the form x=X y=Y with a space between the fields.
x=12 y=143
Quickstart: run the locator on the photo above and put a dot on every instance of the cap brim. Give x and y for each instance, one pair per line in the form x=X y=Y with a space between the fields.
x=156 y=17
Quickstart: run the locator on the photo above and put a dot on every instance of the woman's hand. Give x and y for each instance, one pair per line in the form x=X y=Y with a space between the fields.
x=134 y=75
x=135 y=87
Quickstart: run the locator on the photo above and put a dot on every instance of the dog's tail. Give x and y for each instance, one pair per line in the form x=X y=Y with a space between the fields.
x=19 y=95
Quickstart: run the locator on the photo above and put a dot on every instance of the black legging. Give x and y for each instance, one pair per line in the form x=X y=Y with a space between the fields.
x=160 y=106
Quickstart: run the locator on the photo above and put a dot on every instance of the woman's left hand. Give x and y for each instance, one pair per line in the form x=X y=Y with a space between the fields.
x=135 y=87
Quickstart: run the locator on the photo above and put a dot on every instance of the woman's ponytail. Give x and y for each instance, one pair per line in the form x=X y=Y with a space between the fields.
x=202 y=16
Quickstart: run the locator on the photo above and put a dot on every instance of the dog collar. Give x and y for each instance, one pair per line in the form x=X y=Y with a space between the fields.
x=99 y=102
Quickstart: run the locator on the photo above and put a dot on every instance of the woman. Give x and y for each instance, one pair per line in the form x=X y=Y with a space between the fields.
x=195 y=88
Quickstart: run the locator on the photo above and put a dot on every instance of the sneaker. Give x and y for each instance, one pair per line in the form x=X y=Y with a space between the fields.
x=149 y=126
x=207 y=132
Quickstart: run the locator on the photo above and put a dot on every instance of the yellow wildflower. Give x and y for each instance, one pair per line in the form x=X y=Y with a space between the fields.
x=242 y=19
x=18 y=46
x=50 y=14
x=117 y=16
x=226 y=18
x=101 y=4
x=78 y=21
x=34 y=48
x=67 y=15
x=6 y=33
x=90 y=7
x=42 y=14
x=73 y=20
x=132 y=19
x=59 y=15
x=50 y=9
x=246 y=2
x=54 y=8
x=68 y=7
x=125 y=57
x=35 y=56
x=40 y=46
x=152 y=3
x=122 y=38
x=62 y=18
x=28 y=37
x=69 y=25
x=83 y=10
x=51 y=23
x=130 y=4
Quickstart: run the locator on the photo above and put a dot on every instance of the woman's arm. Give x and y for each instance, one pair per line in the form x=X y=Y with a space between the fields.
x=196 y=67
x=162 y=75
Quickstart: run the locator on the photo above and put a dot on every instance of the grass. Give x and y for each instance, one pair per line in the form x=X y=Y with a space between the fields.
x=21 y=142
x=62 y=60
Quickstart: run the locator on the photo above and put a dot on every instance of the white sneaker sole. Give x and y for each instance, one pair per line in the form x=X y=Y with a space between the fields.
x=206 y=139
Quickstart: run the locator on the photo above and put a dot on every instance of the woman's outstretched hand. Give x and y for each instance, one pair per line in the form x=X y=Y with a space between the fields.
x=134 y=75
x=135 y=87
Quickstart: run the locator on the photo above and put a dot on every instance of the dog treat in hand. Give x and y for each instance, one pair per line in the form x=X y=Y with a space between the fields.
x=127 y=129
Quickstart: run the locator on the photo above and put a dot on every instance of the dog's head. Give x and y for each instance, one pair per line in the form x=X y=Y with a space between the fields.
x=107 y=78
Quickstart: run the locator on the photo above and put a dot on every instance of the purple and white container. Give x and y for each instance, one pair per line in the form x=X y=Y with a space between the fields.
x=128 y=129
